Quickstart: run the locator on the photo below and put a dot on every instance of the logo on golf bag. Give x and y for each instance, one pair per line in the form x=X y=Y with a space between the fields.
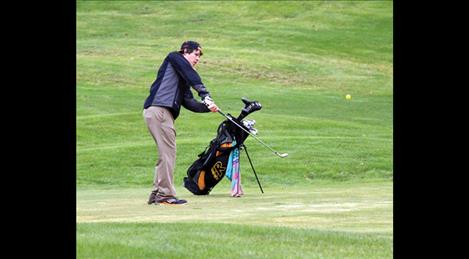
x=218 y=170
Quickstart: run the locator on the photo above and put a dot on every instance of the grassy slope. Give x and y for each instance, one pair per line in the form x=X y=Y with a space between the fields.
x=299 y=59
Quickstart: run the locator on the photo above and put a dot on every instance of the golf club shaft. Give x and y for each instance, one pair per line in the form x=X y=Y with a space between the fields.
x=260 y=141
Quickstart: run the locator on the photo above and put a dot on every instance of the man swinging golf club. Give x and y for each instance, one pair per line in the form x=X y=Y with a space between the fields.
x=169 y=91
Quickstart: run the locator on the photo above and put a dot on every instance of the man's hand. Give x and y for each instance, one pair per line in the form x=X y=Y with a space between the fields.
x=210 y=104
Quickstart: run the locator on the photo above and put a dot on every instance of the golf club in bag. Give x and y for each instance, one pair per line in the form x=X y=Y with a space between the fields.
x=213 y=162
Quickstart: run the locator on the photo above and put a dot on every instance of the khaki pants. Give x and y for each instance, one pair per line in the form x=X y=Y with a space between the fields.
x=160 y=123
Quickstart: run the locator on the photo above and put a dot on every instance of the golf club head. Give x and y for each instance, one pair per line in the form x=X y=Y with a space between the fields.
x=249 y=107
x=283 y=155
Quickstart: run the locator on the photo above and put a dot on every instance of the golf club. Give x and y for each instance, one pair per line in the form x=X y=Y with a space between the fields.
x=282 y=155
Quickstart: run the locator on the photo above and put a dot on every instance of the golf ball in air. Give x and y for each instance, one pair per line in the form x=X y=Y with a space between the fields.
x=348 y=97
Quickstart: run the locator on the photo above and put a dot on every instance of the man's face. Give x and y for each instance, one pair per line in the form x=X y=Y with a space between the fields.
x=193 y=57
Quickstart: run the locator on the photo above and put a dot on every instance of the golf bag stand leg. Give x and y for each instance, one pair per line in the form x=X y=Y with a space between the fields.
x=247 y=154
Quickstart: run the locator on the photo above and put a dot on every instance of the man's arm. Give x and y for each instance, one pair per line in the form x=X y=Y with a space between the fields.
x=192 y=104
x=185 y=69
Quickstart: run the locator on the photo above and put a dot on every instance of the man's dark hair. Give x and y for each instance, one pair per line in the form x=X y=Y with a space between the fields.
x=190 y=46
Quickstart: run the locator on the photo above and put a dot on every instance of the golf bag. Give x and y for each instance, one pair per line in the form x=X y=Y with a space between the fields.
x=211 y=166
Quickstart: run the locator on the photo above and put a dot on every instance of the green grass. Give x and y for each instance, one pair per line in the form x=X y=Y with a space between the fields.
x=299 y=59
x=325 y=220
x=185 y=240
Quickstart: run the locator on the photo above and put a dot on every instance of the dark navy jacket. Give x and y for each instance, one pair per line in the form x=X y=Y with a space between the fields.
x=171 y=88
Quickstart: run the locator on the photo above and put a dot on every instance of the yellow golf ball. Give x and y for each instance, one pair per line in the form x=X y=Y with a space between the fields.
x=348 y=97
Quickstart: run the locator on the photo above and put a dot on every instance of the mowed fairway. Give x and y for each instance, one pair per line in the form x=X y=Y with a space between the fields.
x=329 y=220
x=331 y=198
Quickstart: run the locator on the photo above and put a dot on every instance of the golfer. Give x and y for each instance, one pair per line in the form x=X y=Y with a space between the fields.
x=169 y=91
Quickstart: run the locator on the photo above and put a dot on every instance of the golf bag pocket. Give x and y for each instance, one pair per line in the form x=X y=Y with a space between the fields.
x=202 y=176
